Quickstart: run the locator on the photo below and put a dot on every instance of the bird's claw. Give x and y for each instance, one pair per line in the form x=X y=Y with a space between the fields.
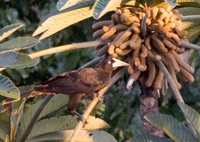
x=95 y=95
x=80 y=117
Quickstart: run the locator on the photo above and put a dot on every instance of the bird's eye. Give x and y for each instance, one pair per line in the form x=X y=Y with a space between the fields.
x=109 y=62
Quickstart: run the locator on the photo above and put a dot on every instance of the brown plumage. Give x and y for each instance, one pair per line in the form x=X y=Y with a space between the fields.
x=80 y=82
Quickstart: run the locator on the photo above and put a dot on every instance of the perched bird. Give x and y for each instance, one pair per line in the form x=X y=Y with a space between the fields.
x=81 y=82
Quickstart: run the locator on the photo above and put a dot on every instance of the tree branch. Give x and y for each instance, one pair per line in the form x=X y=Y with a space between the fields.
x=94 y=103
x=171 y=82
x=189 y=45
x=191 y=17
x=35 y=117
x=63 y=48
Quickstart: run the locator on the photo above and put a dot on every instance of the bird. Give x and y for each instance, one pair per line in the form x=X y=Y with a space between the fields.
x=81 y=82
x=76 y=84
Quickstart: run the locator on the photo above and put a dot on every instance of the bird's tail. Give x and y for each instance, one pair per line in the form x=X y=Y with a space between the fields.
x=37 y=91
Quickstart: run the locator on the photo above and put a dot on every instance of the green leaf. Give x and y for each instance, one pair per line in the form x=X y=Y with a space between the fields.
x=149 y=138
x=8 y=30
x=63 y=4
x=8 y=89
x=101 y=7
x=57 y=102
x=4 y=129
x=18 y=43
x=172 y=127
x=16 y=60
x=172 y=3
x=62 y=20
x=193 y=32
x=192 y=116
x=15 y=117
x=84 y=136
x=189 y=11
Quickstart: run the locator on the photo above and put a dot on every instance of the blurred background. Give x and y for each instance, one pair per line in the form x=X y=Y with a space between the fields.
x=120 y=108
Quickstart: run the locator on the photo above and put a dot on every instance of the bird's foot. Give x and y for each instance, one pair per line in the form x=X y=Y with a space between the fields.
x=95 y=95
x=80 y=117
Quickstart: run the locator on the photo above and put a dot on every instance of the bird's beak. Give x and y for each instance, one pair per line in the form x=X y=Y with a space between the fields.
x=118 y=63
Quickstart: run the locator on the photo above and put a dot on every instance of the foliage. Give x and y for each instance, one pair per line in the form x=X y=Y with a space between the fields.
x=69 y=14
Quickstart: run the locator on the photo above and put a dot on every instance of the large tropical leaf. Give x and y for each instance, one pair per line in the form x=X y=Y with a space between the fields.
x=4 y=129
x=189 y=11
x=69 y=122
x=57 y=102
x=63 y=4
x=192 y=116
x=16 y=60
x=8 y=89
x=150 y=138
x=18 y=43
x=101 y=7
x=193 y=32
x=172 y=3
x=63 y=19
x=172 y=127
x=8 y=30
x=84 y=136
x=15 y=117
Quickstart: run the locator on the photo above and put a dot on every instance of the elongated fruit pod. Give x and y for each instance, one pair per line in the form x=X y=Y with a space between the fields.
x=122 y=52
x=142 y=66
x=135 y=41
x=136 y=74
x=116 y=18
x=124 y=45
x=121 y=27
x=109 y=33
x=153 y=56
x=162 y=16
x=158 y=44
x=151 y=73
x=100 y=24
x=173 y=61
x=180 y=50
x=98 y=33
x=159 y=80
x=136 y=62
x=144 y=50
x=121 y=38
x=174 y=37
x=136 y=53
x=111 y=49
x=182 y=63
x=169 y=44
x=147 y=42
x=171 y=72
x=187 y=75
x=102 y=51
x=130 y=69
x=135 y=29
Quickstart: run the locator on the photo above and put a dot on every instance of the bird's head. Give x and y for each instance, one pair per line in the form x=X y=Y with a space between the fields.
x=112 y=63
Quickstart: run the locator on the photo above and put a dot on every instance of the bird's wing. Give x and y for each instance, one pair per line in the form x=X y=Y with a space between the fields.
x=91 y=77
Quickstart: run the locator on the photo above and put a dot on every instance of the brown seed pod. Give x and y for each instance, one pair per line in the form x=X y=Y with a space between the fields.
x=151 y=73
x=122 y=52
x=136 y=62
x=147 y=42
x=109 y=33
x=135 y=53
x=111 y=49
x=187 y=75
x=98 y=33
x=102 y=51
x=182 y=63
x=162 y=16
x=100 y=24
x=144 y=51
x=135 y=29
x=142 y=67
x=159 y=79
x=121 y=37
x=169 y=56
x=116 y=18
x=158 y=44
x=124 y=45
x=171 y=72
x=153 y=56
x=174 y=37
x=169 y=44
x=135 y=41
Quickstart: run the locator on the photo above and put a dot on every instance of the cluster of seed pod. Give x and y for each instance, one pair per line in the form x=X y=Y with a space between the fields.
x=142 y=37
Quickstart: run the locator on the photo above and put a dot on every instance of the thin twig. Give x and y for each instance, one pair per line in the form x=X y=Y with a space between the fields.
x=35 y=117
x=171 y=82
x=63 y=48
x=191 y=17
x=189 y=45
x=94 y=103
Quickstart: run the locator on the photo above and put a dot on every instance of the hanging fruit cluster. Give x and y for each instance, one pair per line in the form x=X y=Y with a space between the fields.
x=142 y=37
